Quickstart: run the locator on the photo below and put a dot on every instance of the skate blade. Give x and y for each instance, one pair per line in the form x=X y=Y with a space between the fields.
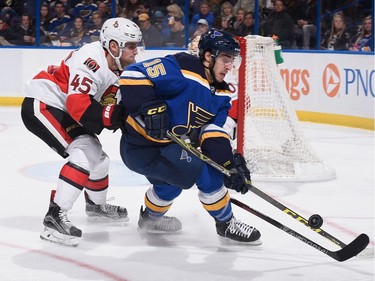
x=230 y=242
x=158 y=232
x=97 y=219
x=56 y=237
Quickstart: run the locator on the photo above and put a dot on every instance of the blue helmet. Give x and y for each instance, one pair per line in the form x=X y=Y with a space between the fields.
x=216 y=41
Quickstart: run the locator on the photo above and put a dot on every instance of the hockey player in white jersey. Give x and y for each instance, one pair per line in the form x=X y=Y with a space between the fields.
x=67 y=106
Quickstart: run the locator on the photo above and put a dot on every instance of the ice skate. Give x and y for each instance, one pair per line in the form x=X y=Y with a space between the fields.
x=105 y=213
x=163 y=224
x=58 y=228
x=238 y=231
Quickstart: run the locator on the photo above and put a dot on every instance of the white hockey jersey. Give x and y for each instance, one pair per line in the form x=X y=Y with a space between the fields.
x=84 y=72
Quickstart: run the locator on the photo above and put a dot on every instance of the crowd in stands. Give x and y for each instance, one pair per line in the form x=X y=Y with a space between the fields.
x=345 y=25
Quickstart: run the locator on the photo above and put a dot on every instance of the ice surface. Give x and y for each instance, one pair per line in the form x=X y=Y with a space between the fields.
x=119 y=252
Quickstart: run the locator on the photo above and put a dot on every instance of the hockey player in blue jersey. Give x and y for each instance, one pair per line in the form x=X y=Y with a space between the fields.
x=188 y=96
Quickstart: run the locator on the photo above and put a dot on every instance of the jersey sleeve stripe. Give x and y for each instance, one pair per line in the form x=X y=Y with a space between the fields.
x=209 y=205
x=136 y=125
x=135 y=82
x=213 y=134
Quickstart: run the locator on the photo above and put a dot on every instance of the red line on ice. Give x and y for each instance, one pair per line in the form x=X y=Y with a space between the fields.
x=69 y=260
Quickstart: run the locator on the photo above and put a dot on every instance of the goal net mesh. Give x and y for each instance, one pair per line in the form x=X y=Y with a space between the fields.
x=269 y=135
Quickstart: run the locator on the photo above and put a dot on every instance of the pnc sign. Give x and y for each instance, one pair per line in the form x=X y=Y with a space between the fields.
x=331 y=80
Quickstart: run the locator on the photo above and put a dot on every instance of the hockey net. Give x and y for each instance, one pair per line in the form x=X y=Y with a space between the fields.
x=269 y=134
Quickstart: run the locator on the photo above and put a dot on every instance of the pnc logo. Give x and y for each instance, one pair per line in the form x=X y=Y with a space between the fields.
x=331 y=80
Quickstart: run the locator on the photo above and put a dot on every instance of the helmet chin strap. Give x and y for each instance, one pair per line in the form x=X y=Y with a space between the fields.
x=211 y=69
x=117 y=59
x=212 y=72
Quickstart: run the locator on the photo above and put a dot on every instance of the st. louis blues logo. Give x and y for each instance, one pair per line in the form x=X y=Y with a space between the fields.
x=216 y=33
x=185 y=156
x=197 y=117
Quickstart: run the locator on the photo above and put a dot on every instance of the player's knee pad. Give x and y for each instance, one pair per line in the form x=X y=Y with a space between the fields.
x=166 y=192
x=85 y=151
x=101 y=169
x=210 y=180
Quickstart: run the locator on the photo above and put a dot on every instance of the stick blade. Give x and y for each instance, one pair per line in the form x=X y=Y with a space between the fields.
x=352 y=249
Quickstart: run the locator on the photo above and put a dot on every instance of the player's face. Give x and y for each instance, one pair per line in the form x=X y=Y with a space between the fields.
x=128 y=54
x=125 y=55
x=224 y=63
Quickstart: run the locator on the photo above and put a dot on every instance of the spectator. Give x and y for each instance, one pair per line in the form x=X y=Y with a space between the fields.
x=364 y=41
x=4 y=33
x=193 y=45
x=103 y=10
x=247 y=27
x=194 y=6
x=119 y=8
x=162 y=5
x=269 y=7
x=296 y=9
x=174 y=13
x=60 y=25
x=10 y=9
x=45 y=18
x=145 y=8
x=202 y=27
x=337 y=38
x=279 y=23
x=29 y=7
x=176 y=37
x=151 y=36
x=93 y=33
x=131 y=10
x=77 y=32
x=204 y=13
x=157 y=20
x=85 y=10
x=306 y=27
x=239 y=18
x=227 y=16
x=248 y=5
x=215 y=7
x=69 y=5
x=222 y=24
x=23 y=34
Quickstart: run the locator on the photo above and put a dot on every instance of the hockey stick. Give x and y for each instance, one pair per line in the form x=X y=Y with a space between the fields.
x=347 y=252
x=364 y=238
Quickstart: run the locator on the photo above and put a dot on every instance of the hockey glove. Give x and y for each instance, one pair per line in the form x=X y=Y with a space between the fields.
x=113 y=116
x=156 y=119
x=236 y=180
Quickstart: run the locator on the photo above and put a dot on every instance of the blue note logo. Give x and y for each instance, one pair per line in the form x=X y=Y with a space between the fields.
x=185 y=156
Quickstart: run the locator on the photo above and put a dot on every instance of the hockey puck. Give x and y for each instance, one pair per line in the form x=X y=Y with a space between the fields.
x=315 y=221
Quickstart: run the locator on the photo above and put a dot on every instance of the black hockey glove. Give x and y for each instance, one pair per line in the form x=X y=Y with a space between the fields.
x=113 y=116
x=236 y=180
x=156 y=119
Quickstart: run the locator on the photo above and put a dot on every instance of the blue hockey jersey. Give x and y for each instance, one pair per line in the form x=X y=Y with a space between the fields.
x=192 y=103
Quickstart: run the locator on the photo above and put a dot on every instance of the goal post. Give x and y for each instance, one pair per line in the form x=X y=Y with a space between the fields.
x=269 y=134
